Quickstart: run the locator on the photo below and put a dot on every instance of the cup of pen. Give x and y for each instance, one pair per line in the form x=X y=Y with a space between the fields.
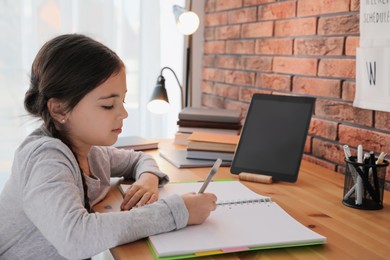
x=364 y=184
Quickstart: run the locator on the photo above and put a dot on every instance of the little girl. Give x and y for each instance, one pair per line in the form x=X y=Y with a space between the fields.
x=63 y=168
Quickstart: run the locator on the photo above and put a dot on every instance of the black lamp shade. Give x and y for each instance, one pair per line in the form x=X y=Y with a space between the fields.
x=159 y=103
x=160 y=92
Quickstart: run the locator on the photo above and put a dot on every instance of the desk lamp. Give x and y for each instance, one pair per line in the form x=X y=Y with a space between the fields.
x=159 y=103
x=187 y=21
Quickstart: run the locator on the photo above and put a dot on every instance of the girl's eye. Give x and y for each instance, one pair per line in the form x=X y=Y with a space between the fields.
x=108 y=107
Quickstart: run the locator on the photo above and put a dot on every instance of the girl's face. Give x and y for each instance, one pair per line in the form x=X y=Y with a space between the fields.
x=98 y=118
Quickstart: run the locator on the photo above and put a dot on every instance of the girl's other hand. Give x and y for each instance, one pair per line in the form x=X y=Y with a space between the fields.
x=143 y=191
x=199 y=206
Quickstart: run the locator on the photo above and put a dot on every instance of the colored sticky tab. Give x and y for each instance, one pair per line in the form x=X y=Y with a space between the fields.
x=214 y=252
x=235 y=249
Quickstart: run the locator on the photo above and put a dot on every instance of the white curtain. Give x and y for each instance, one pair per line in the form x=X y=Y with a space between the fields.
x=168 y=52
x=141 y=32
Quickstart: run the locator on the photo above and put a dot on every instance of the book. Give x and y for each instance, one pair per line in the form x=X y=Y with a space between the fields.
x=136 y=143
x=207 y=146
x=205 y=124
x=181 y=138
x=214 y=138
x=178 y=158
x=209 y=155
x=210 y=114
x=242 y=221
x=185 y=129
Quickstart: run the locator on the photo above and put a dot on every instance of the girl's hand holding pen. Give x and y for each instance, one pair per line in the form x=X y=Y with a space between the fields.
x=143 y=191
x=199 y=206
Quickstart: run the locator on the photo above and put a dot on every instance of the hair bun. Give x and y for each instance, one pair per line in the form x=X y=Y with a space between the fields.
x=31 y=97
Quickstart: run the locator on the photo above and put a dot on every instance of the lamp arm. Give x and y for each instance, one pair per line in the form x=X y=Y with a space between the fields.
x=181 y=88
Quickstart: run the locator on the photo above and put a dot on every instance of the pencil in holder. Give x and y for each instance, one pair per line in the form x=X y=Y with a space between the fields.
x=364 y=184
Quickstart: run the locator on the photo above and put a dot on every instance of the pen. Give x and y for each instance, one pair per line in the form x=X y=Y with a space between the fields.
x=348 y=156
x=374 y=172
x=347 y=152
x=381 y=157
x=366 y=184
x=366 y=171
x=213 y=171
x=359 y=180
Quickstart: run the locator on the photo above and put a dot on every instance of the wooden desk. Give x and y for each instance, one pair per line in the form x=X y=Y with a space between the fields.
x=314 y=200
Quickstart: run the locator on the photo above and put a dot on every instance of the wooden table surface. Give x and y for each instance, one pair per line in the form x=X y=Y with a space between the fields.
x=315 y=200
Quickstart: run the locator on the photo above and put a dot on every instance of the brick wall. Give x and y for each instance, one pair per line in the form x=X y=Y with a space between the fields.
x=304 y=47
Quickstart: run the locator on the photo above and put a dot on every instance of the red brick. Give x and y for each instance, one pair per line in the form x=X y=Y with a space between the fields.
x=341 y=68
x=209 y=6
x=227 y=32
x=351 y=44
x=214 y=19
x=296 y=27
x=257 y=2
x=382 y=121
x=212 y=101
x=274 y=46
x=213 y=74
x=247 y=93
x=355 y=5
x=209 y=33
x=226 y=91
x=274 y=81
x=302 y=66
x=319 y=46
x=327 y=150
x=256 y=63
x=228 y=4
x=317 y=86
x=325 y=164
x=277 y=11
x=228 y=61
x=343 y=111
x=239 y=77
x=260 y=29
x=214 y=47
x=243 y=15
x=331 y=25
x=370 y=139
x=240 y=47
x=208 y=60
x=244 y=62
x=208 y=87
x=348 y=92
x=307 y=147
x=236 y=105
x=323 y=128
x=316 y=7
x=341 y=169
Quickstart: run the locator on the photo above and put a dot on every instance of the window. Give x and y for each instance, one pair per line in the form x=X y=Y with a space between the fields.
x=141 y=32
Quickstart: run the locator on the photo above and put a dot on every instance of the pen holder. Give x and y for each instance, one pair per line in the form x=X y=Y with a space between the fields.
x=364 y=184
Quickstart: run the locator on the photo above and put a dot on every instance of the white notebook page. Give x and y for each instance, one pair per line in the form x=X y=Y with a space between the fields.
x=232 y=227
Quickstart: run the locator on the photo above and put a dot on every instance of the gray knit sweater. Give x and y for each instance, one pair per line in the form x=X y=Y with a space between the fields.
x=41 y=206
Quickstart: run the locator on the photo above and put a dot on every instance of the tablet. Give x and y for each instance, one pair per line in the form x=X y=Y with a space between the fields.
x=273 y=137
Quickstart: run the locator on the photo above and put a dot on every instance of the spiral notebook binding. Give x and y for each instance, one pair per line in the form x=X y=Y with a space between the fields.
x=243 y=202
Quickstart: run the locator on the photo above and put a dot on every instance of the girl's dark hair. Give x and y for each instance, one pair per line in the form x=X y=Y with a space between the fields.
x=67 y=68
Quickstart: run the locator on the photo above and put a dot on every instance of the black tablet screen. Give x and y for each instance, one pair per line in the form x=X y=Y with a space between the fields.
x=273 y=136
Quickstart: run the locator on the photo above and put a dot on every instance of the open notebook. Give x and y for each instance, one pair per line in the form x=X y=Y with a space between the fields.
x=243 y=220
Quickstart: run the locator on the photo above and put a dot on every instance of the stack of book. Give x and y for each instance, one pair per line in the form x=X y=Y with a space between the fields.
x=209 y=120
x=210 y=146
x=137 y=143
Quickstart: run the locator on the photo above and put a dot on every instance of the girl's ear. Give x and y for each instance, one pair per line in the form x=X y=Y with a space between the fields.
x=57 y=110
